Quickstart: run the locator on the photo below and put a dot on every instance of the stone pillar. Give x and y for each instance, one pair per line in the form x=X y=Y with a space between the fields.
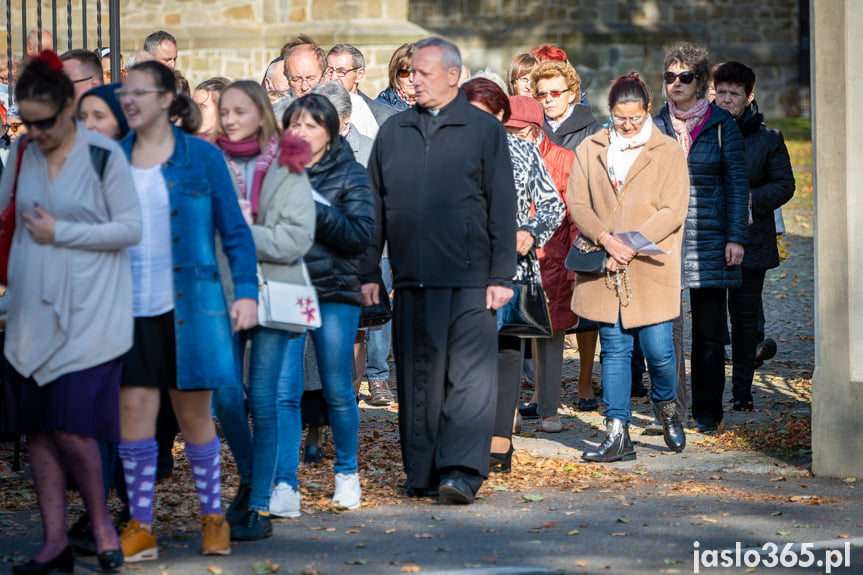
x=837 y=384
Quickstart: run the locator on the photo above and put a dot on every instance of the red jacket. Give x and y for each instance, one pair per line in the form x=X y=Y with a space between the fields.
x=556 y=279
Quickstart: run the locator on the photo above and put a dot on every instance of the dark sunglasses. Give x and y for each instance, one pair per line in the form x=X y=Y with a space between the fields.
x=685 y=77
x=404 y=72
x=42 y=125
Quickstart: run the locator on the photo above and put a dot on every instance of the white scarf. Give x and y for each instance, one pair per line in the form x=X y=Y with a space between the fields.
x=622 y=152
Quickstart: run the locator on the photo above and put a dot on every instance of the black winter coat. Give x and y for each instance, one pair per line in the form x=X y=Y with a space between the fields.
x=771 y=183
x=718 y=200
x=344 y=229
x=574 y=129
x=447 y=201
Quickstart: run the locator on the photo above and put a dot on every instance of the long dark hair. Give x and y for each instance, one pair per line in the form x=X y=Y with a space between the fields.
x=322 y=112
x=43 y=80
x=181 y=106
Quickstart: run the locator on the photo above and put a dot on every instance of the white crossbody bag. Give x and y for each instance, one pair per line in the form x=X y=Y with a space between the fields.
x=287 y=306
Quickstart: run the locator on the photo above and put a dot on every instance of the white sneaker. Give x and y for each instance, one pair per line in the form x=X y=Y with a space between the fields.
x=348 y=491
x=284 y=501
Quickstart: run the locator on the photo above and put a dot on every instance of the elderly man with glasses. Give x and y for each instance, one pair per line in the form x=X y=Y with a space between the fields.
x=305 y=64
x=346 y=65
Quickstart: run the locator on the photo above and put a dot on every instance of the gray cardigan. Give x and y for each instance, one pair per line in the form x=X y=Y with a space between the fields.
x=70 y=303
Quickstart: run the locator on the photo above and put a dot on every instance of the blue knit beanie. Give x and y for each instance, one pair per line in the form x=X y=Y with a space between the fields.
x=106 y=92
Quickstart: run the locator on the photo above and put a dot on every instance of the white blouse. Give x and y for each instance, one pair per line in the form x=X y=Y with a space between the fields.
x=152 y=277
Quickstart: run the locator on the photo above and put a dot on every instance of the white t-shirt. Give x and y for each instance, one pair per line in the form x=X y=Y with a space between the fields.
x=152 y=259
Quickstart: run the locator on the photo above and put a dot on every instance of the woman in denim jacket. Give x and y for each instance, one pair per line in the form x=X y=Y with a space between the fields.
x=182 y=323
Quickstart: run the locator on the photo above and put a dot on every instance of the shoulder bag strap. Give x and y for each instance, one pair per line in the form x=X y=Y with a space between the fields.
x=25 y=139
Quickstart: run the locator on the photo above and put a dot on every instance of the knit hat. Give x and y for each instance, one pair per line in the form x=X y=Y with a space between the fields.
x=106 y=93
x=525 y=112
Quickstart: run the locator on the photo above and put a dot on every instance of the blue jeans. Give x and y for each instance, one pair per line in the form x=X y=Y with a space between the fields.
x=229 y=405
x=616 y=354
x=334 y=349
x=378 y=340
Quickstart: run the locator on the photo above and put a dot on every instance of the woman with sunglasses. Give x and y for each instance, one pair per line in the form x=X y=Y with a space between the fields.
x=400 y=92
x=70 y=285
x=182 y=332
x=716 y=224
x=631 y=178
x=12 y=129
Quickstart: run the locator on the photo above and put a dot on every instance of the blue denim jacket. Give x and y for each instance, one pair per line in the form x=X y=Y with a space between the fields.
x=203 y=201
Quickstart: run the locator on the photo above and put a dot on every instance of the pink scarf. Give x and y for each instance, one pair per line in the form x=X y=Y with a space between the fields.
x=249 y=148
x=684 y=123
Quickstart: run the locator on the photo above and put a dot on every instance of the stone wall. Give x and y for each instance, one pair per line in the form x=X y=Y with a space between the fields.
x=603 y=38
x=238 y=38
x=607 y=38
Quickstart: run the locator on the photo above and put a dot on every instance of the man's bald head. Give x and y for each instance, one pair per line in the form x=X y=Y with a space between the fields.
x=33 y=45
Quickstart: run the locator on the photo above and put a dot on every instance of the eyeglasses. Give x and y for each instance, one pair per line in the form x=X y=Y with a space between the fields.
x=404 y=72
x=13 y=127
x=340 y=72
x=621 y=121
x=553 y=93
x=137 y=92
x=525 y=80
x=44 y=124
x=78 y=81
x=685 y=77
x=300 y=80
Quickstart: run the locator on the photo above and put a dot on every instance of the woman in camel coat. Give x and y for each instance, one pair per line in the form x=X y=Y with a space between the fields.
x=631 y=164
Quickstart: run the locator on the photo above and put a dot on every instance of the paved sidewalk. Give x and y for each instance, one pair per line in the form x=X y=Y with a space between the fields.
x=638 y=517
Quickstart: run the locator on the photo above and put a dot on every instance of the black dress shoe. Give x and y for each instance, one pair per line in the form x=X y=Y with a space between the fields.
x=706 y=424
x=501 y=460
x=765 y=350
x=62 y=563
x=81 y=536
x=530 y=411
x=454 y=491
x=111 y=559
x=591 y=404
x=743 y=405
x=312 y=454
x=422 y=491
x=672 y=429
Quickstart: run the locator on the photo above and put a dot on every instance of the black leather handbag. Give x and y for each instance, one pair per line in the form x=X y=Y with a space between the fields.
x=526 y=314
x=585 y=257
x=377 y=314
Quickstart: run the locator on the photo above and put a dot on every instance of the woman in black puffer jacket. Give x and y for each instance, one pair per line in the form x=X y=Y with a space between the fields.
x=715 y=230
x=771 y=184
x=344 y=225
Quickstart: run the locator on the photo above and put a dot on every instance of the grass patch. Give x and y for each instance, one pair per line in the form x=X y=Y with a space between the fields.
x=793 y=128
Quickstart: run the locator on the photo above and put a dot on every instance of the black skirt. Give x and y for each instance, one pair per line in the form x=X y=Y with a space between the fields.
x=152 y=361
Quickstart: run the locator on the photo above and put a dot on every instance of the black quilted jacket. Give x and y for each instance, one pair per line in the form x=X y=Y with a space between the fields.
x=344 y=229
x=718 y=200
x=771 y=183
